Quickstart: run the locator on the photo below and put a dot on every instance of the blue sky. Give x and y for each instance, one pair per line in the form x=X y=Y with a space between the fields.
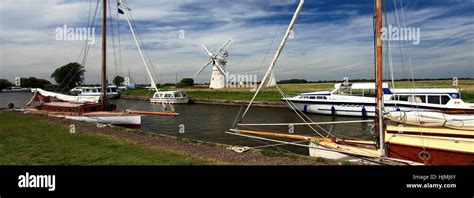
x=333 y=38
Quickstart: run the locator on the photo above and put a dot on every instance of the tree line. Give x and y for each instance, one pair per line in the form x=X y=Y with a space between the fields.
x=72 y=75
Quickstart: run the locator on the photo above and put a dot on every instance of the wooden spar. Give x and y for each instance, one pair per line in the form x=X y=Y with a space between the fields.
x=152 y=113
x=105 y=99
x=379 y=78
x=277 y=55
x=309 y=123
x=152 y=81
x=265 y=133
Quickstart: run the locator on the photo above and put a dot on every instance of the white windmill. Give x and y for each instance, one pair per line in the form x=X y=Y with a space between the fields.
x=219 y=61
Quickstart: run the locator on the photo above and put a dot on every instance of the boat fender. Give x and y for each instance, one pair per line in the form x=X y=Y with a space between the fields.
x=397 y=109
x=424 y=155
x=305 y=108
x=364 y=112
x=11 y=105
x=333 y=110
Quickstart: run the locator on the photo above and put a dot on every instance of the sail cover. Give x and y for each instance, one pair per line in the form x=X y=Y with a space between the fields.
x=67 y=98
x=433 y=119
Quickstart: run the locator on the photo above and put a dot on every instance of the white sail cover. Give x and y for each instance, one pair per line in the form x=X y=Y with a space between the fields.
x=433 y=119
x=67 y=98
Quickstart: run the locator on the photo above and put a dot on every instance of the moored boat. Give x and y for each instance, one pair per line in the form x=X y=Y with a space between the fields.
x=358 y=99
x=113 y=118
x=112 y=91
x=171 y=97
x=15 y=89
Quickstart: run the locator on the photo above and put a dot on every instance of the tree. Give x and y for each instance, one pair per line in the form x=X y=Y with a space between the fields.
x=118 y=80
x=33 y=82
x=4 y=83
x=70 y=75
x=186 y=82
x=293 y=81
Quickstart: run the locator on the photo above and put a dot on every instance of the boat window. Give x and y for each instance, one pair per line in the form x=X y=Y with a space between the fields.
x=422 y=98
x=403 y=98
x=417 y=99
x=445 y=99
x=312 y=97
x=184 y=94
x=434 y=99
x=357 y=92
x=177 y=95
x=168 y=95
x=86 y=90
x=114 y=89
x=369 y=92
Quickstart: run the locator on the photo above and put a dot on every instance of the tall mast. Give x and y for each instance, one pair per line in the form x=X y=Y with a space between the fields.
x=105 y=99
x=268 y=74
x=379 y=78
x=126 y=10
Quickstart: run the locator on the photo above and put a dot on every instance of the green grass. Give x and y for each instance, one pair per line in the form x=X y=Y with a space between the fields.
x=272 y=94
x=28 y=141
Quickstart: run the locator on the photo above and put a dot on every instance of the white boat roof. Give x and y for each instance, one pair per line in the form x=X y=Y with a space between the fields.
x=426 y=90
x=94 y=87
x=171 y=92
x=362 y=85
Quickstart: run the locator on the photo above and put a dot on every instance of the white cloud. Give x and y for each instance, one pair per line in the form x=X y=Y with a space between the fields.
x=321 y=49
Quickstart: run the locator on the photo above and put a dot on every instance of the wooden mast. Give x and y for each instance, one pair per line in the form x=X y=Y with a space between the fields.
x=379 y=129
x=105 y=99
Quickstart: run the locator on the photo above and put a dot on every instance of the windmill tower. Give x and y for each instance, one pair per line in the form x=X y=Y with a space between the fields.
x=219 y=62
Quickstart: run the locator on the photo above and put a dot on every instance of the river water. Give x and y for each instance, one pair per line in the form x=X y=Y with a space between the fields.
x=209 y=122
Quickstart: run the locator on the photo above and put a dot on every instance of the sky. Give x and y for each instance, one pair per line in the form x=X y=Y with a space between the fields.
x=333 y=39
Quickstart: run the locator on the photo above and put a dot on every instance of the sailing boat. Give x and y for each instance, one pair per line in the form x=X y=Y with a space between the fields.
x=395 y=145
x=92 y=108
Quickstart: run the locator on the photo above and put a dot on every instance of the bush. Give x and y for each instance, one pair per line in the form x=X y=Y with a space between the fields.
x=4 y=83
x=186 y=82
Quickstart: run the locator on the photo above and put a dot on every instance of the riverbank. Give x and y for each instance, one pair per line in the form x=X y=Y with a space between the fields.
x=204 y=95
x=279 y=104
x=28 y=139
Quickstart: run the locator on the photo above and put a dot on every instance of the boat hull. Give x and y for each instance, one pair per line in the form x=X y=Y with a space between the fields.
x=132 y=121
x=430 y=145
x=436 y=156
x=170 y=101
x=360 y=109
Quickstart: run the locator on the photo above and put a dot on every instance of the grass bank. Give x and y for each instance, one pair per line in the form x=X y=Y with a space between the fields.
x=32 y=139
x=271 y=94
x=29 y=141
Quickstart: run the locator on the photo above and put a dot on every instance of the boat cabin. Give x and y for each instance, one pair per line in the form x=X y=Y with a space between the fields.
x=170 y=94
x=112 y=91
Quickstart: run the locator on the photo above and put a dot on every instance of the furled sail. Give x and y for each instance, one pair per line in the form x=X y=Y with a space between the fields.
x=433 y=119
x=67 y=98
